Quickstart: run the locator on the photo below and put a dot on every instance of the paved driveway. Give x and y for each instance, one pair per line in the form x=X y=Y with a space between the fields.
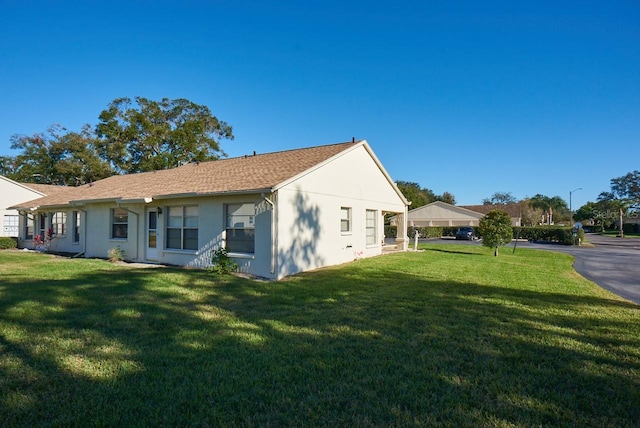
x=612 y=263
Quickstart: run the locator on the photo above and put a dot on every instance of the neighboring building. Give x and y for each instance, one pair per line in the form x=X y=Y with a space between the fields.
x=277 y=213
x=514 y=211
x=14 y=193
x=441 y=214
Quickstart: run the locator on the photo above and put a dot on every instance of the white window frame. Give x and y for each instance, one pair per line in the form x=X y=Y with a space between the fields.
x=59 y=223
x=119 y=218
x=345 y=220
x=240 y=220
x=29 y=226
x=76 y=227
x=184 y=220
x=371 y=227
x=10 y=225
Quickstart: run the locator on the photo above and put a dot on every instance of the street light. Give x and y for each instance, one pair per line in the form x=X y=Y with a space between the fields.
x=570 y=210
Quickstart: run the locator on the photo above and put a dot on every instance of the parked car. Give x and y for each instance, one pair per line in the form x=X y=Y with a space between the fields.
x=466 y=233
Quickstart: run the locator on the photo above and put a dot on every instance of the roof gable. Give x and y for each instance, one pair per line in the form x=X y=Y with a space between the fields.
x=439 y=209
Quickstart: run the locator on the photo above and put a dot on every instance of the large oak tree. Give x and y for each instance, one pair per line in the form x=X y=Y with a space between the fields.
x=144 y=135
x=151 y=135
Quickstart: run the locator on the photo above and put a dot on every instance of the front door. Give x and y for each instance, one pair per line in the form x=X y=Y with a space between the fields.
x=152 y=235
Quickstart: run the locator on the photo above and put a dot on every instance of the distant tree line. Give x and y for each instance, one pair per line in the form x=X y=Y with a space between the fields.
x=420 y=196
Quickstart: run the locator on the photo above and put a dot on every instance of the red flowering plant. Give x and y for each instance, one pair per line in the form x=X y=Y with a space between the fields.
x=41 y=242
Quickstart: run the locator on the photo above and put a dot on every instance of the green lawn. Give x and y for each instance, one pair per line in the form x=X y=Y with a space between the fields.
x=450 y=336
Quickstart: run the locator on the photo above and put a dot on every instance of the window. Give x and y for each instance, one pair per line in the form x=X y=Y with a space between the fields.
x=59 y=223
x=76 y=226
x=182 y=228
x=29 y=226
x=345 y=219
x=10 y=225
x=119 y=223
x=240 y=228
x=372 y=226
x=42 y=226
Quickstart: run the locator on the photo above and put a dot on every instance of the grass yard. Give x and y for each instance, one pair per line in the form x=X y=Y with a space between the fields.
x=450 y=336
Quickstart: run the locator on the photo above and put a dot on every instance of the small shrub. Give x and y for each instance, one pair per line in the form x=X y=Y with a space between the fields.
x=221 y=263
x=116 y=254
x=7 y=243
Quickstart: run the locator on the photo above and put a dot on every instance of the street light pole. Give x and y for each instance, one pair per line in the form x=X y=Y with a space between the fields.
x=570 y=208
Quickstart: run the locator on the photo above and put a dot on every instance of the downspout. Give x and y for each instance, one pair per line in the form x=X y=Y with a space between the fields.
x=273 y=233
x=137 y=228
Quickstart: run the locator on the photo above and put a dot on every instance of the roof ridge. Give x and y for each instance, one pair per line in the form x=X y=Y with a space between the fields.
x=346 y=143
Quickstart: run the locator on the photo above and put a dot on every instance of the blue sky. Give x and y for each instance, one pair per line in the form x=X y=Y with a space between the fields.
x=461 y=96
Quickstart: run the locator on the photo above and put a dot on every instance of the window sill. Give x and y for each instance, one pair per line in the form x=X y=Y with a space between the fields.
x=242 y=255
x=179 y=251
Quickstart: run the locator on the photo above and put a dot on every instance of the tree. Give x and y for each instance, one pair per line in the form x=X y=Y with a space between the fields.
x=447 y=197
x=500 y=198
x=549 y=205
x=530 y=216
x=149 y=136
x=611 y=209
x=414 y=193
x=495 y=229
x=152 y=135
x=627 y=189
x=57 y=157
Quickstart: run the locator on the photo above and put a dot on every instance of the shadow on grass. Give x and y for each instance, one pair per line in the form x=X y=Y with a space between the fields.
x=450 y=251
x=357 y=346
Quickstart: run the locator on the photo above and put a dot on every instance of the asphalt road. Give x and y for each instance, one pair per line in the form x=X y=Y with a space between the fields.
x=612 y=263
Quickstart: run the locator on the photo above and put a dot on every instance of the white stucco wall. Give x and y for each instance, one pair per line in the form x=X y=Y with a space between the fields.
x=309 y=211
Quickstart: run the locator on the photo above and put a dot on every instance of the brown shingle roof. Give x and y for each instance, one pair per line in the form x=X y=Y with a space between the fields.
x=47 y=189
x=236 y=175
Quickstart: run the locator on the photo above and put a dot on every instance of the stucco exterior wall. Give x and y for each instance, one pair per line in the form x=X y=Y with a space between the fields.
x=309 y=213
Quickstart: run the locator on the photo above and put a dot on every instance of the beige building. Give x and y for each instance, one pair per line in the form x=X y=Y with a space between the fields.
x=442 y=214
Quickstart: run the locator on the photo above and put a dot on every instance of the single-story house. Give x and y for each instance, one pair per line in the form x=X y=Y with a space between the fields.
x=441 y=214
x=514 y=211
x=276 y=214
x=13 y=193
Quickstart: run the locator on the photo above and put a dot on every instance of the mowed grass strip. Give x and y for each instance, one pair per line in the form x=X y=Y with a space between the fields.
x=450 y=336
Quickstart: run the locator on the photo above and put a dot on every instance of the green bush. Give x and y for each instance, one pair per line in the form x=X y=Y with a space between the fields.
x=562 y=235
x=221 y=263
x=7 y=243
x=391 y=231
x=425 y=232
x=116 y=254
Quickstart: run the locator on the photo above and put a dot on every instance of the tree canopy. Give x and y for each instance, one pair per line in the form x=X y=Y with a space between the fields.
x=145 y=136
x=56 y=157
x=627 y=189
x=500 y=198
x=551 y=206
x=150 y=135
x=420 y=196
x=495 y=229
